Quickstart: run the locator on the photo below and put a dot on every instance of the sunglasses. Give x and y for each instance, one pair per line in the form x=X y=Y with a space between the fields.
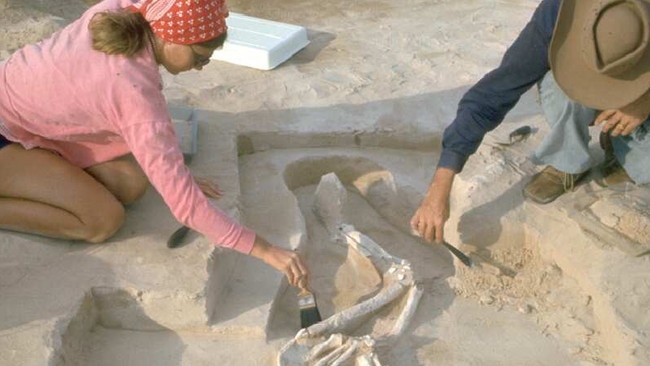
x=200 y=60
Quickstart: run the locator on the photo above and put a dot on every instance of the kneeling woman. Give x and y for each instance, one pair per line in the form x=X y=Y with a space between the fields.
x=84 y=127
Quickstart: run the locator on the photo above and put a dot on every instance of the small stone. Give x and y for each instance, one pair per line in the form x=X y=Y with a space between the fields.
x=525 y=309
x=486 y=300
x=493 y=270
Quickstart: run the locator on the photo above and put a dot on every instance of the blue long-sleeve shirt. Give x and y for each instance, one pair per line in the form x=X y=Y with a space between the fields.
x=486 y=104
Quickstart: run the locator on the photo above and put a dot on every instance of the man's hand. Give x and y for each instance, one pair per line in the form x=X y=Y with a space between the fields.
x=430 y=218
x=625 y=120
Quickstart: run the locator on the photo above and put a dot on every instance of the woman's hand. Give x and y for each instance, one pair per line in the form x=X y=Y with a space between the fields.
x=286 y=261
x=429 y=219
x=208 y=186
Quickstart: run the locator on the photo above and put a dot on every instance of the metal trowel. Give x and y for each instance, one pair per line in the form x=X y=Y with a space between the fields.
x=517 y=135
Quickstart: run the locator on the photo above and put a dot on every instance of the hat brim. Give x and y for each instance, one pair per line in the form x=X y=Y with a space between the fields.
x=579 y=81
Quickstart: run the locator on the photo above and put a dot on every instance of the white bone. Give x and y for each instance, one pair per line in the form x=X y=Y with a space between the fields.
x=354 y=344
x=332 y=355
x=337 y=322
x=330 y=196
x=368 y=360
x=322 y=343
x=335 y=340
x=403 y=320
x=364 y=244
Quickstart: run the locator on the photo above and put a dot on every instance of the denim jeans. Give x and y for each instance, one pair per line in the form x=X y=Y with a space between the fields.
x=566 y=147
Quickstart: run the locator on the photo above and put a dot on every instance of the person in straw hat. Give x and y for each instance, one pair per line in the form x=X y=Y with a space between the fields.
x=84 y=127
x=591 y=63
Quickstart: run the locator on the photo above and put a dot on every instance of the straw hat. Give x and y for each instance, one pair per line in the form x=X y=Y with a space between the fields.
x=600 y=52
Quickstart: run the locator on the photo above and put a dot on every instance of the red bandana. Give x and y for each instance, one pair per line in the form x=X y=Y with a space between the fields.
x=184 y=21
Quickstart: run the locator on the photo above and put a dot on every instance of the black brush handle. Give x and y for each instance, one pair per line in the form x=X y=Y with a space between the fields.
x=460 y=255
x=177 y=237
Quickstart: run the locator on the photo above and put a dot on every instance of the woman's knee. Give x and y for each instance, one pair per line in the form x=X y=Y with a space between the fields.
x=103 y=223
x=134 y=186
x=123 y=178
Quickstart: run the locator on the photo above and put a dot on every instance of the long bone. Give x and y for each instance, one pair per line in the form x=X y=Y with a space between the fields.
x=320 y=344
x=404 y=318
x=334 y=341
x=338 y=322
x=400 y=281
x=368 y=247
x=334 y=355
x=354 y=344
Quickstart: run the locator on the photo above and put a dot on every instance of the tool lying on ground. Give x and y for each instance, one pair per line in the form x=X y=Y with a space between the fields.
x=519 y=134
x=177 y=237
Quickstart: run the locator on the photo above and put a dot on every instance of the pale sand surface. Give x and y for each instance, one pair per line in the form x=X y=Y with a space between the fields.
x=561 y=284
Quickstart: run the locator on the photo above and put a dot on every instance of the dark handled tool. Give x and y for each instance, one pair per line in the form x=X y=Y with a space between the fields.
x=520 y=134
x=177 y=237
x=460 y=255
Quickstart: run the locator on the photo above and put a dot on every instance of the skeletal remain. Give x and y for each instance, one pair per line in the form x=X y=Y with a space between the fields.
x=334 y=341
x=344 y=319
x=326 y=342
x=345 y=356
x=328 y=207
x=402 y=322
x=364 y=245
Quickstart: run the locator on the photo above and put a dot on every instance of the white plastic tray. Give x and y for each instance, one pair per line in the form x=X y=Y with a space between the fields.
x=258 y=43
x=187 y=127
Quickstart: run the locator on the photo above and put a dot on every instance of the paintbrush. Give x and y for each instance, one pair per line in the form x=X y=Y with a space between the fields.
x=309 y=313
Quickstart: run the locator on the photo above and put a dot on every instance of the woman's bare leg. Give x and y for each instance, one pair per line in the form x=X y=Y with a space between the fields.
x=41 y=193
x=122 y=177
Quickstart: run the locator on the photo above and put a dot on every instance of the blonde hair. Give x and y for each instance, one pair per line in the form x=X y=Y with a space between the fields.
x=125 y=33
x=119 y=33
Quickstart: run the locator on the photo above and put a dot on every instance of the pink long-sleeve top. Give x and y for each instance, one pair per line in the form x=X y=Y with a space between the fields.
x=90 y=107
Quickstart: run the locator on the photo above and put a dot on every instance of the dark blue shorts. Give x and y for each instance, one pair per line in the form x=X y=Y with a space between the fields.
x=3 y=142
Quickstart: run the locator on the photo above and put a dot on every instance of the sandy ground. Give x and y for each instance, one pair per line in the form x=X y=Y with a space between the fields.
x=562 y=284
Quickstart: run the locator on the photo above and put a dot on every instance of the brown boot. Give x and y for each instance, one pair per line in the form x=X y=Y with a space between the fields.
x=613 y=174
x=550 y=184
x=611 y=171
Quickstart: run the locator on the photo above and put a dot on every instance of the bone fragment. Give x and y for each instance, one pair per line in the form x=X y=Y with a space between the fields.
x=335 y=340
x=364 y=244
x=404 y=319
x=341 y=360
x=368 y=360
x=329 y=202
x=337 y=322
x=332 y=356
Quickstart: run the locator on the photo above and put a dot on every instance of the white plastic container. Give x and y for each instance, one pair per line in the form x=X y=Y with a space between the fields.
x=258 y=43
x=187 y=129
